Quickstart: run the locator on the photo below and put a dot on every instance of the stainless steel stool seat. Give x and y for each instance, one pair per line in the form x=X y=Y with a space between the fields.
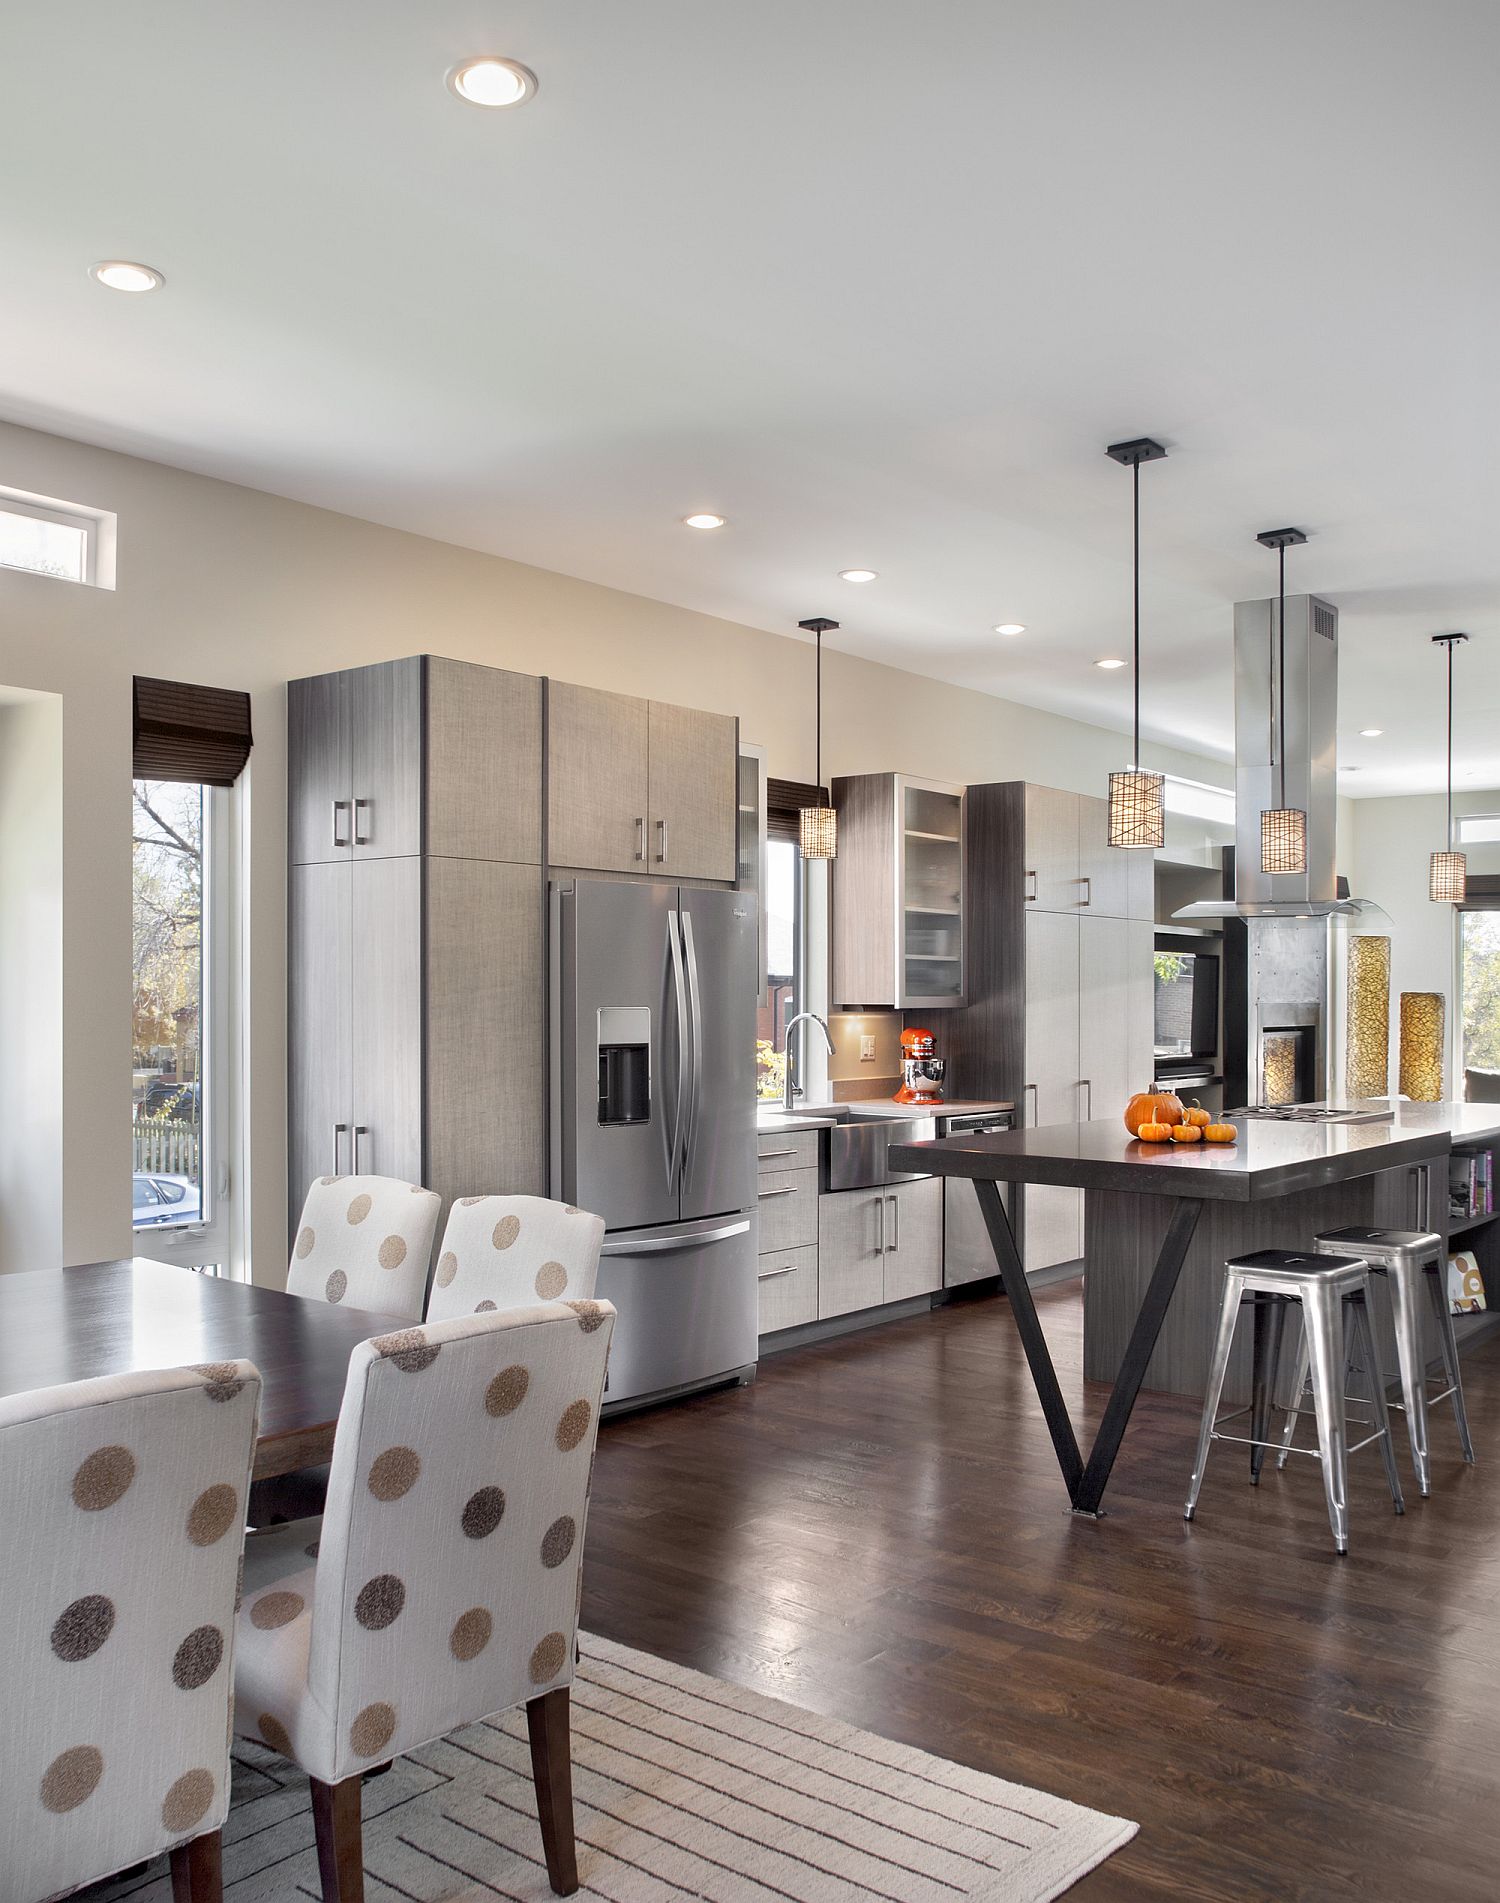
x=1332 y=1289
x=1404 y=1259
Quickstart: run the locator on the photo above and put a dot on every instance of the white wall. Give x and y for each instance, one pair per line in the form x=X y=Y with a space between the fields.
x=1393 y=839
x=31 y=892
x=234 y=588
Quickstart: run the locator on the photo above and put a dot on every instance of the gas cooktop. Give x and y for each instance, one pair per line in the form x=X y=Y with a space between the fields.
x=1370 y=1110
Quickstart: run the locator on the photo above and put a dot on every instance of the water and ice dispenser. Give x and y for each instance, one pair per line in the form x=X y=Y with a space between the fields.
x=624 y=1064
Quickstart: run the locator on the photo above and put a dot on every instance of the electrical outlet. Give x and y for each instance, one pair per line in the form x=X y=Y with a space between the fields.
x=867 y=1049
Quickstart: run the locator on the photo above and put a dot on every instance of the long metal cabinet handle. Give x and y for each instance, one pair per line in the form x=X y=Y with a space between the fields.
x=1086 y=1085
x=695 y=1015
x=766 y=1155
x=1035 y=1100
x=363 y=839
x=339 y=1130
x=1422 y=1201
x=895 y=1224
x=1031 y=895
x=339 y=806
x=672 y=1245
x=661 y=842
x=1088 y=889
x=360 y=1130
x=679 y=998
x=763 y=1195
x=770 y=1275
x=880 y=1238
x=640 y=837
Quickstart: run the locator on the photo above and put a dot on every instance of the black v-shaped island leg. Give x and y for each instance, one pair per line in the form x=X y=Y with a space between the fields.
x=1086 y=1484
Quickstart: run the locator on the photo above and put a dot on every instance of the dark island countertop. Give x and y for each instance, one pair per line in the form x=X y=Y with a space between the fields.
x=1270 y=1159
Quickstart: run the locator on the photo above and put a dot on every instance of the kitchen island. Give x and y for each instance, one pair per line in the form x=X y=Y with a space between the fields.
x=1153 y=1211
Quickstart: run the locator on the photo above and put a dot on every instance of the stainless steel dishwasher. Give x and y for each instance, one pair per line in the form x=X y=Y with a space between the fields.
x=967 y=1255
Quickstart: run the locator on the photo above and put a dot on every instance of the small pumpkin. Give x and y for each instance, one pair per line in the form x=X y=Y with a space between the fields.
x=1196 y=1114
x=1219 y=1133
x=1155 y=1132
x=1187 y=1133
x=1152 y=1106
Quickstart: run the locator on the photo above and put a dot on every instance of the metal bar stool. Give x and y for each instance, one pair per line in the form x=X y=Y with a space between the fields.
x=1403 y=1258
x=1333 y=1291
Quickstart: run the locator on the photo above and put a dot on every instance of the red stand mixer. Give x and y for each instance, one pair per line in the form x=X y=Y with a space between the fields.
x=922 y=1073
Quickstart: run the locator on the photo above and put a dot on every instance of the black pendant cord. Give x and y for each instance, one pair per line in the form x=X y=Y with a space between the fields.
x=1449 y=834
x=818 y=718
x=1135 y=471
x=1281 y=673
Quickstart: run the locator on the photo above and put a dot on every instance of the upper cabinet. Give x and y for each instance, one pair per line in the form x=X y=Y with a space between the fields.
x=1069 y=864
x=898 y=893
x=382 y=758
x=640 y=786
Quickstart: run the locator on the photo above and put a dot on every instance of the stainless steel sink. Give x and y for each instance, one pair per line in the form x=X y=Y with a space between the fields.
x=858 y=1150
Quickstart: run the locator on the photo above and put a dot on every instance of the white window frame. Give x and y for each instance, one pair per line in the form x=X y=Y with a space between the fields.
x=98 y=526
x=1476 y=829
x=217 y=1238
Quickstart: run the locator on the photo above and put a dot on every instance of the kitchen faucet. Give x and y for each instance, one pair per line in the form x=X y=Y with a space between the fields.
x=802 y=1017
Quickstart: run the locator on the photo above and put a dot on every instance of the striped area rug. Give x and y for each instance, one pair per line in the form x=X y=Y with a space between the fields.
x=684 y=1787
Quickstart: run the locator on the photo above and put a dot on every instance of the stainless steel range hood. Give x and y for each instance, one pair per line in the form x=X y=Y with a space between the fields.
x=1312 y=674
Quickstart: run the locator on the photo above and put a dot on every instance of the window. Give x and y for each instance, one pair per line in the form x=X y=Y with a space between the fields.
x=1477 y=829
x=1479 y=989
x=180 y=1019
x=1196 y=799
x=55 y=539
x=784 y=963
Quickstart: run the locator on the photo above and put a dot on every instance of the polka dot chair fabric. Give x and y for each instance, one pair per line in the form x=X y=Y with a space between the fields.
x=365 y=1240
x=122 y=1507
x=442 y=1583
x=512 y=1252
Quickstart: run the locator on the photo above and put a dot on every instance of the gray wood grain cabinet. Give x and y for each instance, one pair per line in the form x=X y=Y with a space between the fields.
x=415 y=975
x=640 y=786
x=879 y=1245
x=421 y=754
x=898 y=894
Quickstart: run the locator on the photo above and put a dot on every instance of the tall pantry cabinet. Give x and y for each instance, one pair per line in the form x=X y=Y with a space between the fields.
x=1059 y=985
x=415 y=921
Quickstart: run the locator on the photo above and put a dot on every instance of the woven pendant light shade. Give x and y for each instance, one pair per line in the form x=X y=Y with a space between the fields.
x=1137 y=809
x=1448 y=878
x=818 y=828
x=1283 y=840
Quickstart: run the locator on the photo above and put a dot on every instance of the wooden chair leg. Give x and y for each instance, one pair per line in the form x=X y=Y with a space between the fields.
x=341 y=1860
x=552 y=1772
x=198 y=1870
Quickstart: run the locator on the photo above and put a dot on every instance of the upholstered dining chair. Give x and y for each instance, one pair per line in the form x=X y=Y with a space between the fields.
x=511 y=1252
x=122 y=1509
x=442 y=1583
x=367 y=1241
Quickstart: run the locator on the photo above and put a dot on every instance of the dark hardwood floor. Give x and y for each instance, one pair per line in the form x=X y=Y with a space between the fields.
x=876 y=1529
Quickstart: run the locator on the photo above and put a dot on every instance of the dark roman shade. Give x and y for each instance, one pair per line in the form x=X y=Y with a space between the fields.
x=785 y=800
x=197 y=734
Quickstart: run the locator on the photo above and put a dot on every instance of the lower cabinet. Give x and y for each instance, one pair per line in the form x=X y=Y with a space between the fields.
x=879 y=1245
x=788 y=1285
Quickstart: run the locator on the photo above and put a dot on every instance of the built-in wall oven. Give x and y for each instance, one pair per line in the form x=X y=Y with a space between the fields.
x=967 y=1255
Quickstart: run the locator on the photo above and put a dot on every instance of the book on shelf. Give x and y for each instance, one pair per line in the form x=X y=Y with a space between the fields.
x=1471 y=1185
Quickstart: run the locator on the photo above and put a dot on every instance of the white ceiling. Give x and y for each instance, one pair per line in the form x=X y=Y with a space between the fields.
x=875 y=279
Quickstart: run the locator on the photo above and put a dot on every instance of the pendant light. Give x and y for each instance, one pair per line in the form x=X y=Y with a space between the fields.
x=1283 y=828
x=818 y=826
x=1448 y=874
x=1137 y=804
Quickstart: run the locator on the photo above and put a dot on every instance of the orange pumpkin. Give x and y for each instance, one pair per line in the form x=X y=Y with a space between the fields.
x=1152 y=1106
x=1155 y=1132
x=1196 y=1114
x=1220 y=1133
x=1187 y=1133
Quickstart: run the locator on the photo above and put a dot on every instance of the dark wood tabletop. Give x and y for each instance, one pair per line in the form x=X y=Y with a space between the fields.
x=114 y=1317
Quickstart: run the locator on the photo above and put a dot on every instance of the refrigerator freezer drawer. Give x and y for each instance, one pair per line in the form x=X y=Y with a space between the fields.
x=688 y=1305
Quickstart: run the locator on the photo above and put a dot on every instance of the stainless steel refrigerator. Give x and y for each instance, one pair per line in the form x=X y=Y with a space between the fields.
x=653 y=1119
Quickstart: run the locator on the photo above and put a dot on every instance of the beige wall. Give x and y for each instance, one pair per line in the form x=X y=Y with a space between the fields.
x=232 y=587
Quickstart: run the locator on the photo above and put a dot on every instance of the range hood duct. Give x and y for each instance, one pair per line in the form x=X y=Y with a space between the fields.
x=1311 y=689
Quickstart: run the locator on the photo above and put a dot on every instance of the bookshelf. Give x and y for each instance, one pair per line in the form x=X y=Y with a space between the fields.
x=1474 y=1225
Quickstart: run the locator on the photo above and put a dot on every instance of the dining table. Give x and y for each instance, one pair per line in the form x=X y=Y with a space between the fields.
x=101 y=1318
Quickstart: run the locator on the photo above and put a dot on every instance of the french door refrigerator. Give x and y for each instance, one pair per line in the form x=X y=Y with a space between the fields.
x=653 y=1119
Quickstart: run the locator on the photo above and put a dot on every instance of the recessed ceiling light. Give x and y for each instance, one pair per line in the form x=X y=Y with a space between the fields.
x=1109 y=661
x=1348 y=769
x=704 y=521
x=1371 y=733
x=857 y=574
x=1011 y=627
x=492 y=81
x=118 y=275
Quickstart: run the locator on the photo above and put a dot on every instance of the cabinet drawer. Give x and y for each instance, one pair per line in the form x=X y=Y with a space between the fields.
x=788 y=1284
x=788 y=1205
x=797 y=1150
